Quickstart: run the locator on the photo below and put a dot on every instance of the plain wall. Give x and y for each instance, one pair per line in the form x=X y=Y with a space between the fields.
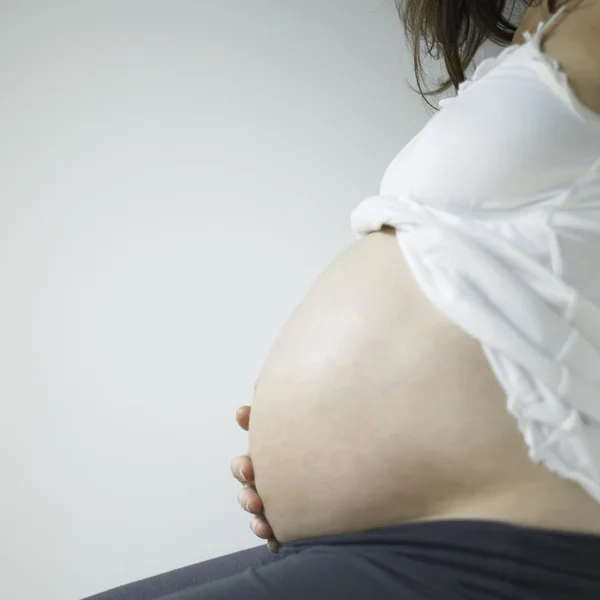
x=173 y=177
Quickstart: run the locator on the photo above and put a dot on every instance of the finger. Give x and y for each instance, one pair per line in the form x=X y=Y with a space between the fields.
x=273 y=546
x=250 y=500
x=242 y=469
x=242 y=416
x=261 y=528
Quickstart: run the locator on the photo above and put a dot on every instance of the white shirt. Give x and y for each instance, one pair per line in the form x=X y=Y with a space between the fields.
x=496 y=205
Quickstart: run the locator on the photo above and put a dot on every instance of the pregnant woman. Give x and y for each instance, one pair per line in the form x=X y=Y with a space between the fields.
x=427 y=424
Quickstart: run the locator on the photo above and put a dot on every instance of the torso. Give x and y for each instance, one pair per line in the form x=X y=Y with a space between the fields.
x=372 y=409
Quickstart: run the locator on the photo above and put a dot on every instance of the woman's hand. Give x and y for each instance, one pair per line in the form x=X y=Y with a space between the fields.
x=248 y=497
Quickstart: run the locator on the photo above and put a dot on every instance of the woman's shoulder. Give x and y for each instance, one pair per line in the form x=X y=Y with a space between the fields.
x=574 y=42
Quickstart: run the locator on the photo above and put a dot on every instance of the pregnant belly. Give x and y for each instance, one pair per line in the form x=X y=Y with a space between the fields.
x=373 y=409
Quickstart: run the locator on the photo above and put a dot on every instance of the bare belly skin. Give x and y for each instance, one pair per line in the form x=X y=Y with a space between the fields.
x=372 y=409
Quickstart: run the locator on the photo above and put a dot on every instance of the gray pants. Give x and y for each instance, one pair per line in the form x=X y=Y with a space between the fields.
x=449 y=560
x=186 y=578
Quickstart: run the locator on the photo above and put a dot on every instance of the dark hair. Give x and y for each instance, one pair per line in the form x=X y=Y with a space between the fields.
x=454 y=30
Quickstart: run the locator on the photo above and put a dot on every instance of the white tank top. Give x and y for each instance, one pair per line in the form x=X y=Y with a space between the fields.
x=496 y=205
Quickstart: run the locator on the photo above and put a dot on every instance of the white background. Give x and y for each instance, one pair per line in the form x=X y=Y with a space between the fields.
x=173 y=176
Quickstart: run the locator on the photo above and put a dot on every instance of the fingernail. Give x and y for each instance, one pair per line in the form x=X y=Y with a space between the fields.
x=242 y=474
